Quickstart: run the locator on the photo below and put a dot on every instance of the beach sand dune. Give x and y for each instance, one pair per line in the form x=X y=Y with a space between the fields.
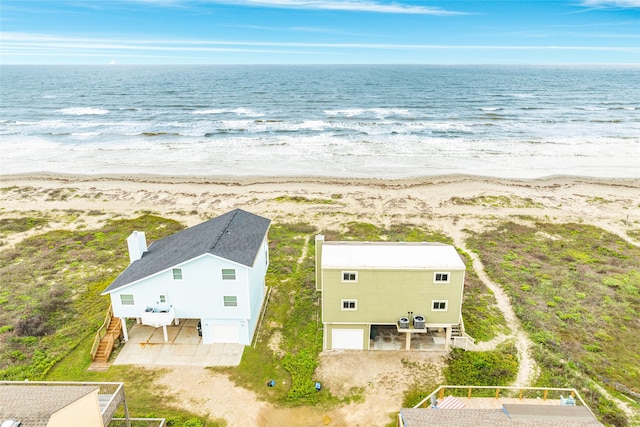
x=448 y=203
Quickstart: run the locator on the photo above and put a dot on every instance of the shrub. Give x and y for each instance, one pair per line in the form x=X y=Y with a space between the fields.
x=488 y=368
x=32 y=326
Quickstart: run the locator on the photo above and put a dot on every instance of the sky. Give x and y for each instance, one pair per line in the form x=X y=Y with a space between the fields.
x=319 y=32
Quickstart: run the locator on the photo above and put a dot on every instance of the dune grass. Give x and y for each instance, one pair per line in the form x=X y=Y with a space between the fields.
x=576 y=289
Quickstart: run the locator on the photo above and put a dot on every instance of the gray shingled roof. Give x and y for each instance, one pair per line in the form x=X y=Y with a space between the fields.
x=235 y=236
x=427 y=417
x=34 y=405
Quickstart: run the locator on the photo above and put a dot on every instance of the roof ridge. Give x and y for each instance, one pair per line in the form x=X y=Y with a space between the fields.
x=224 y=229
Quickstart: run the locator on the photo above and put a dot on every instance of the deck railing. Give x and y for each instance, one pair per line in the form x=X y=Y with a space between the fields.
x=158 y=318
x=110 y=394
x=465 y=342
x=137 y=422
x=101 y=332
x=544 y=393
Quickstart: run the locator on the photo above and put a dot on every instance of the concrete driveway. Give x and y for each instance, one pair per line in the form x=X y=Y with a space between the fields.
x=146 y=346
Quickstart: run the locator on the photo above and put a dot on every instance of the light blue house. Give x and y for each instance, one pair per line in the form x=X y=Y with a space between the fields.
x=214 y=272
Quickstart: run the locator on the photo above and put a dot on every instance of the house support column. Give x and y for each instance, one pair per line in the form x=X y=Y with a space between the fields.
x=408 y=342
x=164 y=330
x=447 y=338
x=125 y=334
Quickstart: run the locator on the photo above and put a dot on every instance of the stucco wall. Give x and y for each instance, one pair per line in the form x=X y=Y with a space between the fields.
x=83 y=412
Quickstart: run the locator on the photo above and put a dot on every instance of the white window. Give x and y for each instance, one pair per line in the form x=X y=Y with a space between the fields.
x=441 y=277
x=126 y=299
x=230 y=301
x=349 y=305
x=228 y=274
x=177 y=274
x=438 y=305
x=350 y=276
x=163 y=298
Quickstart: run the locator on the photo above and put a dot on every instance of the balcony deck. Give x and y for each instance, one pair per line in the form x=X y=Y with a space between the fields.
x=156 y=317
x=499 y=406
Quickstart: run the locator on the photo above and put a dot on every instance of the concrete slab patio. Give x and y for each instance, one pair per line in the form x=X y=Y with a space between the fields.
x=146 y=346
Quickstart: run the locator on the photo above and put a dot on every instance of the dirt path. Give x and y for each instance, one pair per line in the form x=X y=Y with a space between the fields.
x=527 y=369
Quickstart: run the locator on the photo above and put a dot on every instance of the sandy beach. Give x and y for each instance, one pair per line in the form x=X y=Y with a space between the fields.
x=448 y=203
x=451 y=204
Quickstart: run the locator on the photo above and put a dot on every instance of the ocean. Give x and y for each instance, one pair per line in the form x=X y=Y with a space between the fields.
x=387 y=121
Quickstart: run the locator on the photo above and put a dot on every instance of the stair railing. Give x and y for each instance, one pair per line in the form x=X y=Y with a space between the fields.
x=101 y=332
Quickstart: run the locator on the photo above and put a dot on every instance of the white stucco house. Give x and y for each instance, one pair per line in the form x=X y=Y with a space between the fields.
x=214 y=272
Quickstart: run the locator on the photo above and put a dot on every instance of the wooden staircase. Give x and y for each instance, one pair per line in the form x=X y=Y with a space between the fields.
x=456 y=331
x=460 y=338
x=106 y=337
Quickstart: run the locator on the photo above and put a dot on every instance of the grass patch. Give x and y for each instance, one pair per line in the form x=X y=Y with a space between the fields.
x=497 y=201
x=576 y=289
x=483 y=319
x=302 y=199
x=597 y=200
x=483 y=368
x=290 y=340
x=20 y=225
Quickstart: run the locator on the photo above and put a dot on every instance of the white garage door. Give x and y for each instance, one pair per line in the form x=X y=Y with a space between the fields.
x=226 y=333
x=347 y=339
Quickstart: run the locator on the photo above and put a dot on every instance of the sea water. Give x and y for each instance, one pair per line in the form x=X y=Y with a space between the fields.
x=392 y=121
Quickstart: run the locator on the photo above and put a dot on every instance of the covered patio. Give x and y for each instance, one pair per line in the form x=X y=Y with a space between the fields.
x=389 y=337
x=183 y=347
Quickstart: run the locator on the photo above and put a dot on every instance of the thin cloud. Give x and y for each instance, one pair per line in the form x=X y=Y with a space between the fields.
x=622 y=4
x=27 y=41
x=337 y=5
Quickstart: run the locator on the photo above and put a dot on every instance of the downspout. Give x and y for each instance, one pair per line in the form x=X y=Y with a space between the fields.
x=464 y=274
x=319 y=242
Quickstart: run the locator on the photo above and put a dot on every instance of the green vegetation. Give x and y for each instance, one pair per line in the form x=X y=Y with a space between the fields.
x=576 y=289
x=483 y=320
x=423 y=383
x=302 y=199
x=483 y=368
x=598 y=201
x=497 y=201
x=362 y=231
x=290 y=337
x=19 y=225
